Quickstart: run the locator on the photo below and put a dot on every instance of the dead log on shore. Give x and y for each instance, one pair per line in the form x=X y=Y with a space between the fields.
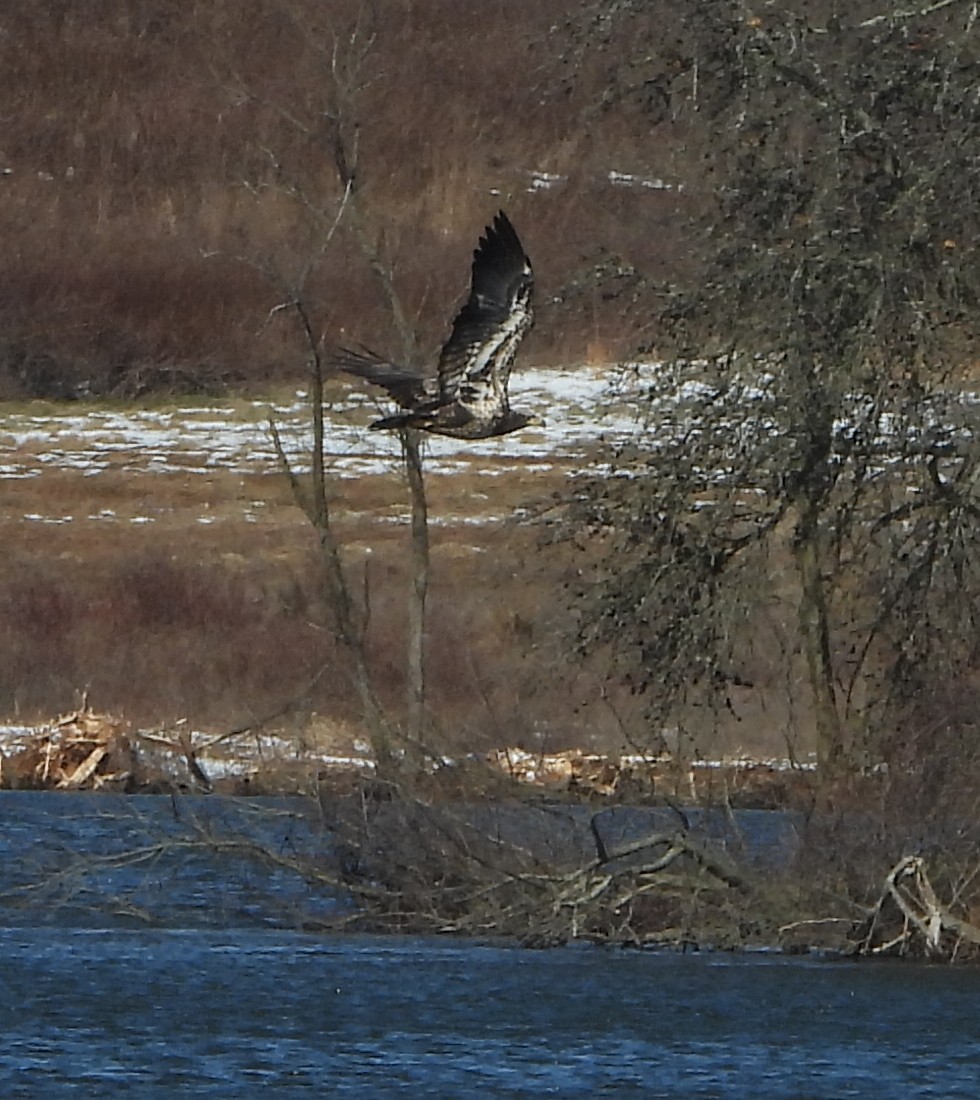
x=607 y=899
x=736 y=781
x=909 y=918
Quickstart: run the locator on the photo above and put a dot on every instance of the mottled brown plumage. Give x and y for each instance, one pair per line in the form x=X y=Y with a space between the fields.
x=468 y=397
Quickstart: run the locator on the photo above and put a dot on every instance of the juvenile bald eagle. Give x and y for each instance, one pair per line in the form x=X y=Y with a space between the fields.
x=468 y=397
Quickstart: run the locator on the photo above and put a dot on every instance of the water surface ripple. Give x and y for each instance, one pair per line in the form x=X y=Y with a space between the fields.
x=224 y=999
x=200 y=1013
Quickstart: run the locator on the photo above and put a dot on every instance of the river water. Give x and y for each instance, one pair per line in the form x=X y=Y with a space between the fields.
x=189 y=978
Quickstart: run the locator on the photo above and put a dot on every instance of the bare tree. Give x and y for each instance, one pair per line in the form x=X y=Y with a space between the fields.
x=808 y=445
x=331 y=206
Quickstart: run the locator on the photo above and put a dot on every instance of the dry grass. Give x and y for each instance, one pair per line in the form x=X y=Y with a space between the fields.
x=129 y=141
x=223 y=622
x=212 y=610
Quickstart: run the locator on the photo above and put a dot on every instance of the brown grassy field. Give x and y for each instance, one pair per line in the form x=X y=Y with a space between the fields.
x=139 y=204
x=150 y=159
x=147 y=152
x=196 y=595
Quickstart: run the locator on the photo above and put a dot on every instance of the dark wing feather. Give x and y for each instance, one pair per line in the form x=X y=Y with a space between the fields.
x=405 y=386
x=475 y=363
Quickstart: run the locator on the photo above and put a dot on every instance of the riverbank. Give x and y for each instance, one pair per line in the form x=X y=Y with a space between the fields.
x=86 y=750
x=539 y=872
x=174 y=585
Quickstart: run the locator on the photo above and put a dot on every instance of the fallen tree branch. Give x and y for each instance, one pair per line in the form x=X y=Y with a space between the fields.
x=925 y=920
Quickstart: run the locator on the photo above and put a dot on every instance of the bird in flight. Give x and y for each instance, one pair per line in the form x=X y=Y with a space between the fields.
x=468 y=397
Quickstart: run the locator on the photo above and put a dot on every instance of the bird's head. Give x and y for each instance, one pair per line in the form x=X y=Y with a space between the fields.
x=514 y=421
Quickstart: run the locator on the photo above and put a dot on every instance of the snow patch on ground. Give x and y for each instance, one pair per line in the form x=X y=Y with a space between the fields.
x=582 y=406
x=234 y=438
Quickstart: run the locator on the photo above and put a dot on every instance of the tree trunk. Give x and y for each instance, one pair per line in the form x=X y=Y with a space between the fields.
x=815 y=632
x=415 y=701
x=313 y=499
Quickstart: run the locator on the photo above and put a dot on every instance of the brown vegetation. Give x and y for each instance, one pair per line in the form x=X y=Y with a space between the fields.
x=223 y=624
x=140 y=149
x=158 y=179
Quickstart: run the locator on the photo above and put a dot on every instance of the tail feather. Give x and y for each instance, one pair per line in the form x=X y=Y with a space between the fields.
x=404 y=385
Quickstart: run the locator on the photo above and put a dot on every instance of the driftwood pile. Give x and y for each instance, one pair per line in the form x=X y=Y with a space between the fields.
x=78 y=751
x=89 y=751
x=746 y=783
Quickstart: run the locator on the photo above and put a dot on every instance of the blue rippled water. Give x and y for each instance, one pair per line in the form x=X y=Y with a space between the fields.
x=240 y=1007
x=265 y=1013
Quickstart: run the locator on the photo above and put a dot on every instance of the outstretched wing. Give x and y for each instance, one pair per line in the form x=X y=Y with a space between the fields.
x=475 y=363
x=405 y=386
